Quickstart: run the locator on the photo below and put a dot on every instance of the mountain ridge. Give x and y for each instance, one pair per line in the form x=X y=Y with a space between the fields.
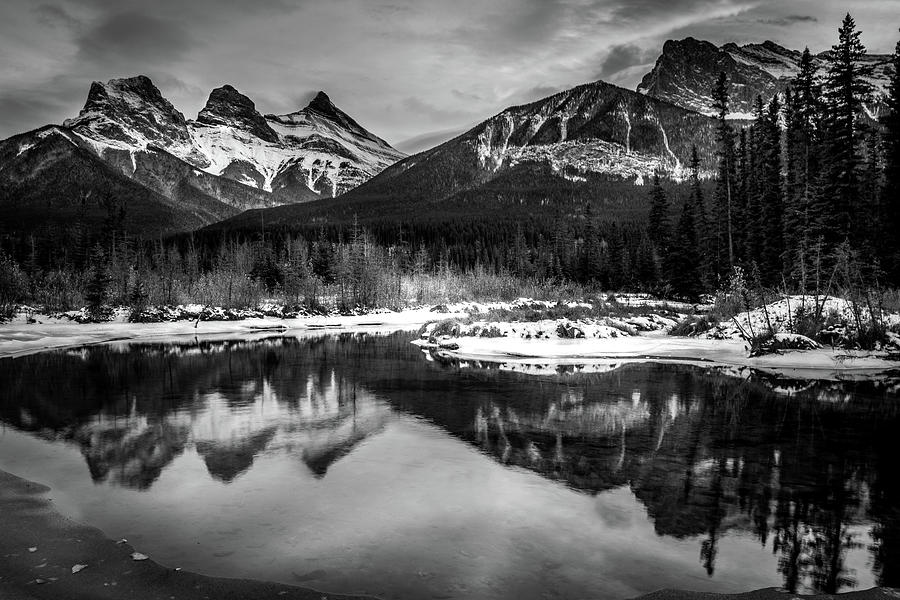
x=588 y=134
x=686 y=71
x=231 y=158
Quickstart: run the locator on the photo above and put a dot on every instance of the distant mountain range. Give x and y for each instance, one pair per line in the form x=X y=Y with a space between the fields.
x=129 y=146
x=131 y=151
x=591 y=134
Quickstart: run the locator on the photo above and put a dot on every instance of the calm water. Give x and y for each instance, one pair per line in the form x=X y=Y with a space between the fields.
x=353 y=464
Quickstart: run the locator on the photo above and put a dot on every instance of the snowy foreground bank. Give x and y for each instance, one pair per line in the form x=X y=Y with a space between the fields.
x=591 y=355
x=590 y=345
x=514 y=335
x=20 y=337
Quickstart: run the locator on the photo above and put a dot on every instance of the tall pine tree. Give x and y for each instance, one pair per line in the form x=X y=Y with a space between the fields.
x=844 y=92
x=724 y=256
x=683 y=264
x=771 y=198
x=890 y=196
x=659 y=226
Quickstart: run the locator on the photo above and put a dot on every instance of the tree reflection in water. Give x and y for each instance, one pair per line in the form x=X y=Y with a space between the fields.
x=806 y=468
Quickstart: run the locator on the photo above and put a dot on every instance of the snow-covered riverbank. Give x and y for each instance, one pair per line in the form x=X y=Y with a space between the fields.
x=594 y=343
x=593 y=354
x=19 y=337
x=473 y=331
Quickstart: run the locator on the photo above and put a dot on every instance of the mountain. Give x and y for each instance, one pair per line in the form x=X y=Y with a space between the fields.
x=686 y=71
x=53 y=184
x=231 y=158
x=316 y=151
x=592 y=141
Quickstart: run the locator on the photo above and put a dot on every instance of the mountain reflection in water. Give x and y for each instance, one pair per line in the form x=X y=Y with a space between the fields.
x=810 y=474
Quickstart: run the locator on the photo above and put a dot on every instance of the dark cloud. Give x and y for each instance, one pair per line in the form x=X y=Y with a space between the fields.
x=788 y=20
x=532 y=23
x=622 y=57
x=208 y=9
x=131 y=37
x=25 y=109
x=400 y=67
x=636 y=10
x=55 y=16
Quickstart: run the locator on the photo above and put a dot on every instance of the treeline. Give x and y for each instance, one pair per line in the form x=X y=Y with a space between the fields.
x=809 y=191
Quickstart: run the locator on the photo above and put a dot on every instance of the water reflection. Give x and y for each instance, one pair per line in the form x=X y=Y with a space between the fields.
x=133 y=409
x=805 y=468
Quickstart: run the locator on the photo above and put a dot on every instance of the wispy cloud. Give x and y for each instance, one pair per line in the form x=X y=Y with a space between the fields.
x=788 y=20
x=401 y=67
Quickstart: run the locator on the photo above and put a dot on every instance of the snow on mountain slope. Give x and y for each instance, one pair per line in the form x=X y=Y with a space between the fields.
x=318 y=146
x=593 y=128
x=686 y=71
x=318 y=151
x=131 y=114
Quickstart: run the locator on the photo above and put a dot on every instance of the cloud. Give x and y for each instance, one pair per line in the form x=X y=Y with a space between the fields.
x=622 y=57
x=131 y=37
x=788 y=20
x=55 y=16
x=428 y=140
x=399 y=67
x=418 y=106
x=23 y=109
x=639 y=10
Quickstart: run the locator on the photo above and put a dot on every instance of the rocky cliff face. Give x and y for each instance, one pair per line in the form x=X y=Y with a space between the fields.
x=227 y=107
x=687 y=69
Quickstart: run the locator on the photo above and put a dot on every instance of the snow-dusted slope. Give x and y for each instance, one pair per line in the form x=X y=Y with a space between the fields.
x=687 y=69
x=318 y=151
x=594 y=128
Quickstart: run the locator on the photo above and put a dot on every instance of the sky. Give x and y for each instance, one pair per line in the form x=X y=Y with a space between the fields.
x=414 y=72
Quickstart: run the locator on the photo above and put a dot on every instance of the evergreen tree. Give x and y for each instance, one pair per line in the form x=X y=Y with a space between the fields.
x=806 y=149
x=771 y=197
x=659 y=226
x=844 y=92
x=97 y=287
x=592 y=259
x=724 y=257
x=740 y=196
x=646 y=263
x=793 y=224
x=753 y=183
x=683 y=260
x=683 y=264
x=890 y=196
x=705 y=241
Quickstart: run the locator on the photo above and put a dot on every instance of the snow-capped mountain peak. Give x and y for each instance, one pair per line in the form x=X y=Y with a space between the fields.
x=131 y=113
x=318 y=151
x=313 y=152
x=228 y=107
